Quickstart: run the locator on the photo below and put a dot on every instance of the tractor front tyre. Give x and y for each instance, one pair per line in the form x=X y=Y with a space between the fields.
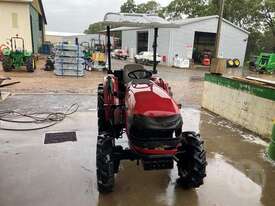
x=105 y=166
x=191 y=161
x=7 y=64
x=30 y=64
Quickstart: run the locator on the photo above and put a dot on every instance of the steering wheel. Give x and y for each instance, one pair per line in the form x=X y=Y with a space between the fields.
x=140 y=74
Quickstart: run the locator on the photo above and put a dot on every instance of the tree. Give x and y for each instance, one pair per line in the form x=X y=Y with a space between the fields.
x=149 y=7
x=128 y=7
x=245 y=14
x=94 y=28
x=268 y=14
x=178 y=9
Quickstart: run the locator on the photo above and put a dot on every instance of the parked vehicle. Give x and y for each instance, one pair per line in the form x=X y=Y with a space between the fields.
x=205 y=57
x=120 y=54
x=17 y=56
x=146 y=57
x=139 y=103
x=266 y=62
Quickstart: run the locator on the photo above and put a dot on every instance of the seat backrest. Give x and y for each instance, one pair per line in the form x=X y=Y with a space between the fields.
x=129 y=68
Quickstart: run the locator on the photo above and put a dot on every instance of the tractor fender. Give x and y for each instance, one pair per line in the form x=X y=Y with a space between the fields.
x=111 y=91
x=6 y=51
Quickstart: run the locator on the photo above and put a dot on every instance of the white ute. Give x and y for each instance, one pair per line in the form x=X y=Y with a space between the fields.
x=146 y=57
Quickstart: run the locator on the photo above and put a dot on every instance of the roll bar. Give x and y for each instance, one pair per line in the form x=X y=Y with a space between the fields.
x=13 y=42
x=135 y=20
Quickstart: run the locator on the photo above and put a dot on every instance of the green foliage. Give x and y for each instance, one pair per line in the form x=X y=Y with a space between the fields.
x=149 y=7
x=181 y=8
x=128 y=7
x=95 y=28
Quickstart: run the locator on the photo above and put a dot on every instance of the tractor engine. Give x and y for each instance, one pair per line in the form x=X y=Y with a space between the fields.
x=151 y=127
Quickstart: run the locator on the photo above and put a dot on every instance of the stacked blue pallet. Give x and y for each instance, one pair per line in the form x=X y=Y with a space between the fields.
x=69 y=60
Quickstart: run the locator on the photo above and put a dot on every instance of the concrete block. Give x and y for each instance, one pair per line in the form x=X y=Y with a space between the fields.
x=240 y=105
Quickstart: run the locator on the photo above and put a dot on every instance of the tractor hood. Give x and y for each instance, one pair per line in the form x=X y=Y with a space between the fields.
x=148 y=99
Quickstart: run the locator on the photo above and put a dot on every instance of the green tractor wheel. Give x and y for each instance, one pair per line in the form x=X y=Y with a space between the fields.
x=7 y=64
x=30 y=64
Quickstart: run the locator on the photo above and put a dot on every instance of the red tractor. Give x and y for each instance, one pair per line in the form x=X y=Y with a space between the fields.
x=139 y=103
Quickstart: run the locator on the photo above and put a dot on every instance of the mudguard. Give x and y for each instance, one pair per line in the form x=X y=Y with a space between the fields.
x=6 y=52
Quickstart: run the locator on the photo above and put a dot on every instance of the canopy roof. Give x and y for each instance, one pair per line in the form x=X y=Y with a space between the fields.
x=137 y=20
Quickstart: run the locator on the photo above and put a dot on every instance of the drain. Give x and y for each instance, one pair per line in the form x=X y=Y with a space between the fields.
x=59 y=137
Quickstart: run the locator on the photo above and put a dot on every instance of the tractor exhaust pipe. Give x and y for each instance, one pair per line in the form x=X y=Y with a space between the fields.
x=109 y=49
x=155 y=45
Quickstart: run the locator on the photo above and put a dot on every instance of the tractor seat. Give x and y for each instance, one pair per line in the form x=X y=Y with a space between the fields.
x=130 y=68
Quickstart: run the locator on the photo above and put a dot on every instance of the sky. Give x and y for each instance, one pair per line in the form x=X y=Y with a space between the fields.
x=76 y=15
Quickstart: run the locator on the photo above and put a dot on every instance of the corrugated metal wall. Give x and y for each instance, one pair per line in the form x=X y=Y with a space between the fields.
x=129 y=41
x=180 y=41
x=233 y=41
x=37 y=35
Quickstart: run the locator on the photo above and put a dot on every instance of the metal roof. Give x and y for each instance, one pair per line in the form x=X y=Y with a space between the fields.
x=183 y=22
x=198 y=19
x=63 y=34
x=137 y=20
x=124 y=28
x=43 y=11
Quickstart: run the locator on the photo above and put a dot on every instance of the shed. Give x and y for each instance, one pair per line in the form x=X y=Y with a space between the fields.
x=193 y=36
x=25 y=18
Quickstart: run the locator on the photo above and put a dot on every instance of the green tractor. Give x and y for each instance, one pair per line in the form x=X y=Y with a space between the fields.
x=266 y=62
x=15 y=57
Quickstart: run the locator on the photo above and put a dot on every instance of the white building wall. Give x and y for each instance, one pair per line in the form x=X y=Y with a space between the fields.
x=21 y=24
x=129 y=41
x=181 y=40
x=233 y=43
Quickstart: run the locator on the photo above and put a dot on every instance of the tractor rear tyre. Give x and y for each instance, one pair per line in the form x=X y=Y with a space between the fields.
x=7 y=64
x=100 y=109
x=105 y=167
x=192 y=161
x=30 y=64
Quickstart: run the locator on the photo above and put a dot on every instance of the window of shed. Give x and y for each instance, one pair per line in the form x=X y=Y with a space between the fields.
x=14 y=20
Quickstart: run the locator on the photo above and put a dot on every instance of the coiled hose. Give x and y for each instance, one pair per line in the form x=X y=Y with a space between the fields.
x=48 y=118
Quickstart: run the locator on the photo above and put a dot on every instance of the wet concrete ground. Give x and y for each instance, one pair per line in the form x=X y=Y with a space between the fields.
x=32 y=173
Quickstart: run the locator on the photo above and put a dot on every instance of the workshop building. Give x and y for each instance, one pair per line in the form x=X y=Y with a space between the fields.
x=193 y=37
